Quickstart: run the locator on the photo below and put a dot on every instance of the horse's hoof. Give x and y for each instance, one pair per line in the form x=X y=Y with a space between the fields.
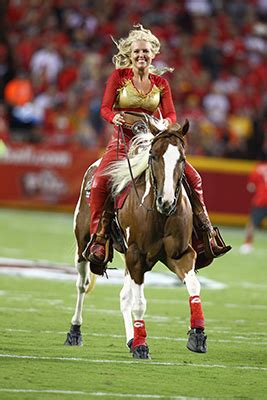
x=141 y=352
x=197 y=341
x=74 y=336
x=130 y=345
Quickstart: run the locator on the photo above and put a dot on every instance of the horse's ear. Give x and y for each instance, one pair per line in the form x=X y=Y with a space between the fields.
x=175 y=127
x=185 y=127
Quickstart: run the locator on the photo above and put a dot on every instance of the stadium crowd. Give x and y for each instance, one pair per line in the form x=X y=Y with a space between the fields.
x=55 y=57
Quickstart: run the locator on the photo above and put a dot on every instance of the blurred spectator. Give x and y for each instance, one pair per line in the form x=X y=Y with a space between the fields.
x=211 y=57
x=4 y=127
x=48 y=61
x=218 y=50
x=216 y=105
x=18 y=91
x=58 y=124
x=6 y=67
x=199 y=7
x=18 y=96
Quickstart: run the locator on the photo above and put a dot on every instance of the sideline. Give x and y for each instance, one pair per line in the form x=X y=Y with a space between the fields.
x=46 y=270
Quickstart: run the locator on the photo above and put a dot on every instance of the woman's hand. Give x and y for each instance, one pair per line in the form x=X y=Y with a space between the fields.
x=118 y=119
x=166 y=122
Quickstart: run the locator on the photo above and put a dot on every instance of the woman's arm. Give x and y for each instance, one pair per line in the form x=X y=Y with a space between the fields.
x=167 y=106
x=110 y=95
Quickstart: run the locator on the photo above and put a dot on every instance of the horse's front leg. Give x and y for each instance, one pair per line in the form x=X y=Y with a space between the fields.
x=197 y=338
x=126 y=303
x=185 y=270
x=74 y=336
x=134 y=262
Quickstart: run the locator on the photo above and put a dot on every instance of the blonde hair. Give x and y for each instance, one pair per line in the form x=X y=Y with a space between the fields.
x=122 y=58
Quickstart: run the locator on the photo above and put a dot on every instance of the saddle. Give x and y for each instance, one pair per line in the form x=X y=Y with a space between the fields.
x=133 y=119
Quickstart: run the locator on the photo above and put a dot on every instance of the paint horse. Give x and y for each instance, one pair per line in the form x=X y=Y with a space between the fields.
x=156 y=220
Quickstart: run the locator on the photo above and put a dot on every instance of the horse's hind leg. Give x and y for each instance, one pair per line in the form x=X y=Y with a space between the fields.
x=126 y=303
x=74 y=336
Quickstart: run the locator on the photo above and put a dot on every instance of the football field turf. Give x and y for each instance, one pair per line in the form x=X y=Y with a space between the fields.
x=35 y=316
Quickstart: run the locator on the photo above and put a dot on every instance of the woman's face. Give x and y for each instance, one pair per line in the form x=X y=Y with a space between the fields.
x=141 y=54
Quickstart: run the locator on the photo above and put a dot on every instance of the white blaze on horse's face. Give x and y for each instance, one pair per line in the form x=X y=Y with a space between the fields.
x=167 y=200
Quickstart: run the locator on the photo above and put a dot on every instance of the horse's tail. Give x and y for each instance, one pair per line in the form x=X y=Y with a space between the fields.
x=92 y=283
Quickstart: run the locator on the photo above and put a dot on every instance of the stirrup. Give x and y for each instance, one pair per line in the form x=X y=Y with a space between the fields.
x=92 y=258
x=214 y=247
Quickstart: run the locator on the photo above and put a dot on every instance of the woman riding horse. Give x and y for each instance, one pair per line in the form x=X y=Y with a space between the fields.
x=135 y=85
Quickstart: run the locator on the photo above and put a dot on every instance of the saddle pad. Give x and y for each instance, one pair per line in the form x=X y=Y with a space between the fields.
x=119 y=201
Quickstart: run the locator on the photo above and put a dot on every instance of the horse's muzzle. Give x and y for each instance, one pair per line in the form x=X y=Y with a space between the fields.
x=165 y=207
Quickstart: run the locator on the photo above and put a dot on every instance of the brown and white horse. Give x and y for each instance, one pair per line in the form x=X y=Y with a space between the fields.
x=156 y=220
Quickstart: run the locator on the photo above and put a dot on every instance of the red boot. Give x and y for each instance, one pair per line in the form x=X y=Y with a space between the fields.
x=216 y=243
x=99 y=250
x=96 y=250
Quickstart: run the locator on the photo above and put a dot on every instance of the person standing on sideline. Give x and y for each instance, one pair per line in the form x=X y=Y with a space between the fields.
x=257 y=184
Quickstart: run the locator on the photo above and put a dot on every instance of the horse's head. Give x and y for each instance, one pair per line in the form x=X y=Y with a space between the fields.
x=167 y=162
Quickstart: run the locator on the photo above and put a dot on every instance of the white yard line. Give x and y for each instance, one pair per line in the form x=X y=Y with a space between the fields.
x=101 y=394
x=133 y=362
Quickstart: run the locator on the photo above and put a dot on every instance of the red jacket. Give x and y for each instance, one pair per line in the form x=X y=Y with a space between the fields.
x=119 y=78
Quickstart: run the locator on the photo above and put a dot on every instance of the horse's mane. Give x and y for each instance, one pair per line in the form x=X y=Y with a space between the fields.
x=138 y=156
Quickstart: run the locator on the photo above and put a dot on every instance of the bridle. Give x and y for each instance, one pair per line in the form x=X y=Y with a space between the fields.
x=138 y=126
x=162 y=135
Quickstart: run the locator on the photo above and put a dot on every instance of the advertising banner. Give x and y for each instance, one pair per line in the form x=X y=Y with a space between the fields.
x=47 y=177
x=40 y=176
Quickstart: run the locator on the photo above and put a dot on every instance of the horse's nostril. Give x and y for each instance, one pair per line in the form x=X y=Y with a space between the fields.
x=160 y=200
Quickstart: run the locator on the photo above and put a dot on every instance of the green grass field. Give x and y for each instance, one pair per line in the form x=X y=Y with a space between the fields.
x=35 y=316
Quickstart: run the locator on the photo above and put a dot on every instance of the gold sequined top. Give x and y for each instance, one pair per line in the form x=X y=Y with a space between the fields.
x=130 y=97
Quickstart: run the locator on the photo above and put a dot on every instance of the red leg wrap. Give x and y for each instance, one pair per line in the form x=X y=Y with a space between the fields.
x=197 y=315
x=139 y=333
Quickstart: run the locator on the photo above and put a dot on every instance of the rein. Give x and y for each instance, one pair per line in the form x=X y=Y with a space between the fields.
x=131 y=172
x=165 y=134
